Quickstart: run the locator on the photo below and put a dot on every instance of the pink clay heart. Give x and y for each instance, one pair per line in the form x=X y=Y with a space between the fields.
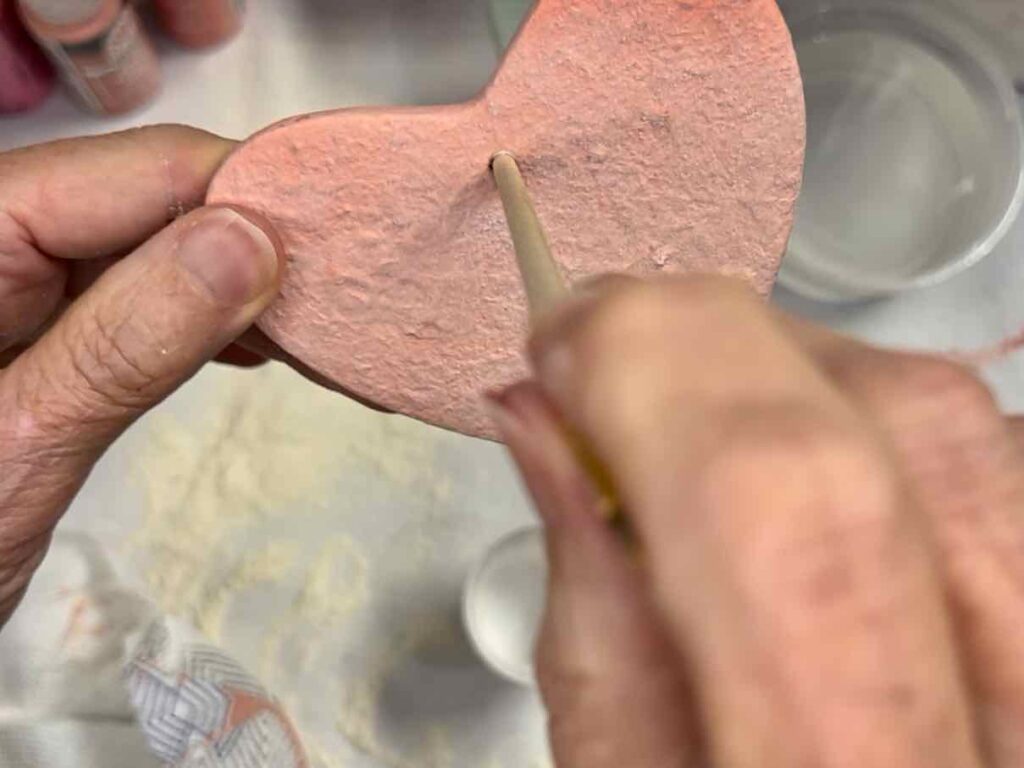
x=655 y=136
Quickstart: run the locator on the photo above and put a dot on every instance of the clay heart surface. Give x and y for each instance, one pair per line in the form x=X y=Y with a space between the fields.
x=655 y=136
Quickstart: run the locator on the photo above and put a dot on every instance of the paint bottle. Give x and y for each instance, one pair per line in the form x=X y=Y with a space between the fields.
x=200 y=23
x=100 y=50
x=26 y=77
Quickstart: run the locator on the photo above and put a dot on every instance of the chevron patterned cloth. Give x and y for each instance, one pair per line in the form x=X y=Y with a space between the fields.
x=198 y=708
x=91 y=675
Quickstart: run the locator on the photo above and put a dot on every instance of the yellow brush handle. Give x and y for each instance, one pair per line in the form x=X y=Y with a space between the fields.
x=610 y=509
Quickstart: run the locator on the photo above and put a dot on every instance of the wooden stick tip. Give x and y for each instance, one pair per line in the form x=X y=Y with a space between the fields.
x=500 y=154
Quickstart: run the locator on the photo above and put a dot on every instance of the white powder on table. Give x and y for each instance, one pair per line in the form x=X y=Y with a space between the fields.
x=311 y=539
x=263 y=448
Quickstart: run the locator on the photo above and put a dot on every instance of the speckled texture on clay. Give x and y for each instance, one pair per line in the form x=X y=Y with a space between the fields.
x=655 y=135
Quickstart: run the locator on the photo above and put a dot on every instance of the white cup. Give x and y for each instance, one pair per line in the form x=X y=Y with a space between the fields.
x=503 y=603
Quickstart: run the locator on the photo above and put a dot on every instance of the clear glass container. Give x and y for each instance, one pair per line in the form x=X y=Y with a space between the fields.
x=914 y=147
x=506 y=15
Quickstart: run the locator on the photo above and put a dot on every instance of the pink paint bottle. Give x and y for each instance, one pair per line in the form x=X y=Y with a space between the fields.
x=26 y=77
x=200 y=23
x=99 y=48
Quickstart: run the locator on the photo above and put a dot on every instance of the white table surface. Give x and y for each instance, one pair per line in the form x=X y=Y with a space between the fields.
x=334 y=568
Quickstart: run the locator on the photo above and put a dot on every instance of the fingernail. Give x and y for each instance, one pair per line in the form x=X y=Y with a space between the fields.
x=230 y=257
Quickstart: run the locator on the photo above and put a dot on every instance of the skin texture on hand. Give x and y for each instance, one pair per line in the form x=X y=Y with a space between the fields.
x=831 y=541
x=98 y=228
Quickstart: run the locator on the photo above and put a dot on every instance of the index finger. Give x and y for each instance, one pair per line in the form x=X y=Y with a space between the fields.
x=780 y=546
x=86 y=197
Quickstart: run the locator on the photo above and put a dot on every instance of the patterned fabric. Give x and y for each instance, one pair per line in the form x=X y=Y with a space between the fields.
x=199 y=709
x=91 y=674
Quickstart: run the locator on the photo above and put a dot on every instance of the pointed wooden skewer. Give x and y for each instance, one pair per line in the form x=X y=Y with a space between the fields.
x=545 y=289
x=542 y=279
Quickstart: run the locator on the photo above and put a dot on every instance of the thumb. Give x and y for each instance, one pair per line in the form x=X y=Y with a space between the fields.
x=609 y=676
x=139 y=332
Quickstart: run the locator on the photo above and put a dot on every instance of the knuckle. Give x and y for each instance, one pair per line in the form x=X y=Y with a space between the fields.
x=18 y=561
x=26 y=520
x=634 y=309
x=16 y=571
x=643 y=310
x=560 y=683
x=762 y=450
x=628 y=345
x=794 y=500
x=558 y=673
x=13 y=234
x=620 y=355
x=955 y=448
x=570 y=678
x=712 y=288
x=581 y=720
x=38 y=477
x=947 y=387
x=584 y=699
x=944 y=422
x=108 y=361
